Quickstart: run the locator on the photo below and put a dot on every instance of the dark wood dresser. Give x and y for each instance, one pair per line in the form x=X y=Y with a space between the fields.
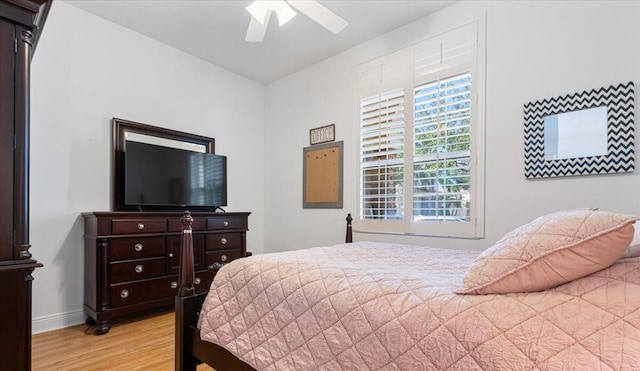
x=132 y=258
x=19 y=26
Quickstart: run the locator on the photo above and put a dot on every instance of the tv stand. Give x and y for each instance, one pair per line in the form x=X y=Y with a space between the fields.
x=132 y=258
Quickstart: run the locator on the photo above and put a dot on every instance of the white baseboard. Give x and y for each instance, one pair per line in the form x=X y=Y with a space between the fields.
x=57 y=321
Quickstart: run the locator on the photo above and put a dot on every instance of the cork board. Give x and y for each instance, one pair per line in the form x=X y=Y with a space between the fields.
x=322 y=176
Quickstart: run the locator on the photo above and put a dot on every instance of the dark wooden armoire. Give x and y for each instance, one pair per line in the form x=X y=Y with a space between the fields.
x=20 y=22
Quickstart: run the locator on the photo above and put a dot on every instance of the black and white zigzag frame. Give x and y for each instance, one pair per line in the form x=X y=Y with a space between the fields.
x=620 y=133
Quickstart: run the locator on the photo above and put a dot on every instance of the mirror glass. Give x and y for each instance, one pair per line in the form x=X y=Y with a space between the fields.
x=581 y=133
x=149 y=139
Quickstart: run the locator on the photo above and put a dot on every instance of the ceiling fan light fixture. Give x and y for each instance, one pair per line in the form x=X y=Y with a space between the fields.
x=261 y=14
x=258 y=11
x=284 y=13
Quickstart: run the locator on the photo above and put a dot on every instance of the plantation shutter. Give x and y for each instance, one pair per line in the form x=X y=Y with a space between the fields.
x=382 y=156
x=442 y=150
x=382 y=136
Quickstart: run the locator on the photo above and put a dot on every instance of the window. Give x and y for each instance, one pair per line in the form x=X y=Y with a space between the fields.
x=421 y=138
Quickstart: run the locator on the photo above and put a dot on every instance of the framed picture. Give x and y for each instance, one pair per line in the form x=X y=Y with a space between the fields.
x=322 y=176
x=322 y=134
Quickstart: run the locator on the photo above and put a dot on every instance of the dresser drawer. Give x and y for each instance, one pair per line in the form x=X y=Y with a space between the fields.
x=223 y=241
x=131 y=226
x=221 y=256
x=136 y=269
x=175 y=225
x=136 y=248
x=227 y=222
x=128 y=293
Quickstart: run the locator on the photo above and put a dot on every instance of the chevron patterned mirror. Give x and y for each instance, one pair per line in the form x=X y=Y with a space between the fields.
x=579 y=134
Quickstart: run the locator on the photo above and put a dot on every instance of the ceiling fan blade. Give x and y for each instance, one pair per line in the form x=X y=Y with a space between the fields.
x=256 y=30
x=319 y=13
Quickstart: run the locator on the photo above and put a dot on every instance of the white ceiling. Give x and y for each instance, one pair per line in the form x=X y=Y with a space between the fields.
x=214 y=30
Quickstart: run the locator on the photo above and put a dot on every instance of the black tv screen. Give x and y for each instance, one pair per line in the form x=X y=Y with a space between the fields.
x=170 y=177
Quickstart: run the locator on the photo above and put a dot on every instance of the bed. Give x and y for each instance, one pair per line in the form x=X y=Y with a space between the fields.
x=374 y=306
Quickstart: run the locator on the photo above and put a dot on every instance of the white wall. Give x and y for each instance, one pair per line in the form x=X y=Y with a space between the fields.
x=86 y=71
x=535 y=50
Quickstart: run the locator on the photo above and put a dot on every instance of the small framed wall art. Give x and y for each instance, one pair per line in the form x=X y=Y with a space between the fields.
x=322 y=134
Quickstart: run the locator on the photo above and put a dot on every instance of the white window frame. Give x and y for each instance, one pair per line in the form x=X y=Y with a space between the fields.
x=398 y=70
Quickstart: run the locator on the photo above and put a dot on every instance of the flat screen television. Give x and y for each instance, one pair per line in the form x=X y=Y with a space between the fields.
x=164 y=177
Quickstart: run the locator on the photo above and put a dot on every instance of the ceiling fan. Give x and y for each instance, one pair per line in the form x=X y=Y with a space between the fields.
x=261 y=14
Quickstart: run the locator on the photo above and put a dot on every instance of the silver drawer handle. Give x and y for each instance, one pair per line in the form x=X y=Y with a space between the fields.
x=223 y=241
x=140 y=226
x=138 y=247
x=124 y=294
x=174 y=285
x=226 y=224
x=197 y=281
x=223 y=258
x=139 y=268
x=171 y=255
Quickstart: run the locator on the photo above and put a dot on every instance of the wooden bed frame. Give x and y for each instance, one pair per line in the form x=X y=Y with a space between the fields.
x=190 y=350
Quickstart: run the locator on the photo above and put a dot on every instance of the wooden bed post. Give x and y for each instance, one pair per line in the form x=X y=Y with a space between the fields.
x=349 y=237
x=185 y=299
x=187 y=274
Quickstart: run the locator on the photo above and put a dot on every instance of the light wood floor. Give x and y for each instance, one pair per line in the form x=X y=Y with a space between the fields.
x=138 y=343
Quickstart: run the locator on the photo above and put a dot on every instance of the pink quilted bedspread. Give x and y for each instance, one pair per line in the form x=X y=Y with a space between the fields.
x=372 y=306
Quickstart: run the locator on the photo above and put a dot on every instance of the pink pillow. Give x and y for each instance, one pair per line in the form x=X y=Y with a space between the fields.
x=551 y=250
